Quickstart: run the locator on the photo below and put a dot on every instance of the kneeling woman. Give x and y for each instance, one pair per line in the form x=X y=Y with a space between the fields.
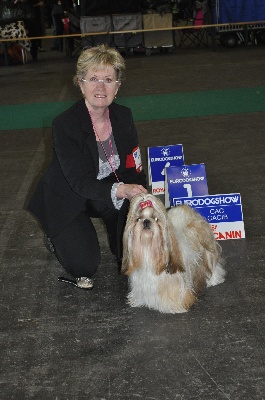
x=96 y=168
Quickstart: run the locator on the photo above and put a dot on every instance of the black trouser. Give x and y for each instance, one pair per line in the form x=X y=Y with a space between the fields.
x=77 y=246
x=58 y=30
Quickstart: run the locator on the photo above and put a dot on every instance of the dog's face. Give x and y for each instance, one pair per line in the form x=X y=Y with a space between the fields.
x=147 y=221
x=149 y=237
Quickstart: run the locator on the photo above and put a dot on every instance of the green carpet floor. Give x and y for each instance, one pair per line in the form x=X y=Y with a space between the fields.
x=152 y=107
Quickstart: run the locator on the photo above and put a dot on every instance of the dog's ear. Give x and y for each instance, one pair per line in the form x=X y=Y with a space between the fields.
x=125 y=265
x=175 y=260
x=130 y=258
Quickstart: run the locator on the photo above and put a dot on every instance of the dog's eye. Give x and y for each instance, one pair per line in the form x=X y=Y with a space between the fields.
x=156 y=219
x=138 y=220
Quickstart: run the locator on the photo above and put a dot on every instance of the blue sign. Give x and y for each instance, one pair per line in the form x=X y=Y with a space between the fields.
x=231 y=11
x=159 y=158
x=185 y=181
x=222 y=211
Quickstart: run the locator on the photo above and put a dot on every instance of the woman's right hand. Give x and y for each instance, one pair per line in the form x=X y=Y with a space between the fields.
x=128 y=191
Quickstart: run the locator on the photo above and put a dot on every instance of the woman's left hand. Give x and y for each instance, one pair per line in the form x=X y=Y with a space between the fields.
x=128 y=191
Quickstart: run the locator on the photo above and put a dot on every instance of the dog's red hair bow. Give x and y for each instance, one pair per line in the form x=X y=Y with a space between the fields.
x=145 y=204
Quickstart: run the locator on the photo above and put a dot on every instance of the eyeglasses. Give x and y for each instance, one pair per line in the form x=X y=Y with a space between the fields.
x=94 y=81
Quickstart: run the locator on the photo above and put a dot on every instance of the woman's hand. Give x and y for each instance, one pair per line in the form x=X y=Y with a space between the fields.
x=128 y=191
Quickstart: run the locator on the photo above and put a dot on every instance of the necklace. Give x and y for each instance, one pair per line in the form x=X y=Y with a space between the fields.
x=111 y=159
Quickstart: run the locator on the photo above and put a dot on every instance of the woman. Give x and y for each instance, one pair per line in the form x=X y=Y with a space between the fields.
x=96 y=168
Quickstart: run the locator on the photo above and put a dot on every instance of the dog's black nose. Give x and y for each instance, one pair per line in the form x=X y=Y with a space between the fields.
x=146 y=224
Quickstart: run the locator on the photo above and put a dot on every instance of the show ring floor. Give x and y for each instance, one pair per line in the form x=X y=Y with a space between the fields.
x=61 y=343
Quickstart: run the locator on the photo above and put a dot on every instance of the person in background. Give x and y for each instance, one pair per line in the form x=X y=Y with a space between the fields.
x=58 y=9
x=95 y=171
x=40 y=15
x=31 y=18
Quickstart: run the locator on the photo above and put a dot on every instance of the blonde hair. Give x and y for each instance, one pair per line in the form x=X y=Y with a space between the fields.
x=101 y=56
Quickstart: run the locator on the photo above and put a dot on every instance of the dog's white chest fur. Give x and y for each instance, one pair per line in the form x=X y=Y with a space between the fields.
x=153 y=291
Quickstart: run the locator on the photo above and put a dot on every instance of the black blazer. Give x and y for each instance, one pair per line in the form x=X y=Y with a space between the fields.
x=71 y=178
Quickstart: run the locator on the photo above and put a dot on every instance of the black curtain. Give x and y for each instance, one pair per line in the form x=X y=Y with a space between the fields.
x=106 y=7
x=95 y=7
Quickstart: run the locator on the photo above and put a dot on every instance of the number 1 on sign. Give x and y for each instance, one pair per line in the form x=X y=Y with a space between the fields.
x=189 y=190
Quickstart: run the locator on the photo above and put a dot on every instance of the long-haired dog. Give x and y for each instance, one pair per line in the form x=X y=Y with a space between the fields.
x=169 y=256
